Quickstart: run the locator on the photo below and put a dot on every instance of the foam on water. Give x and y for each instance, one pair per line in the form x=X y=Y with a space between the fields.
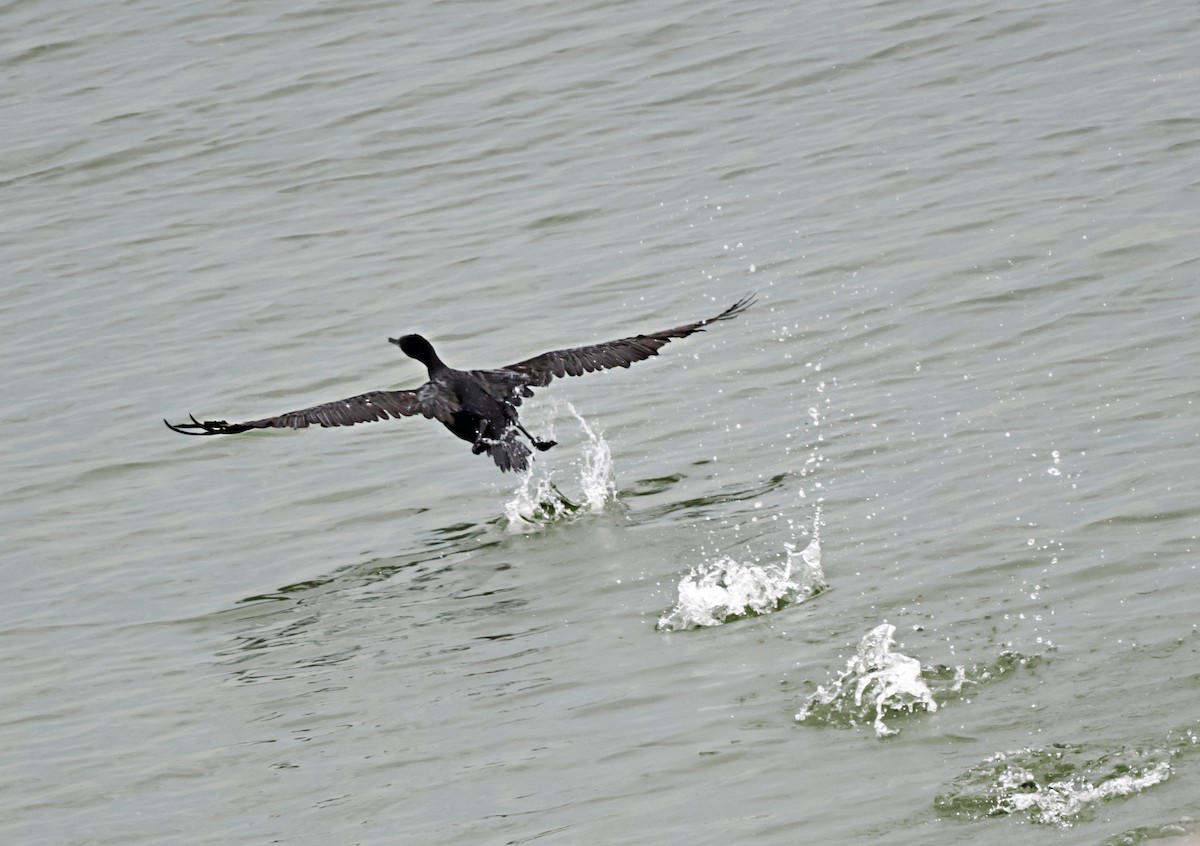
x=723 y=590
x=539 y=500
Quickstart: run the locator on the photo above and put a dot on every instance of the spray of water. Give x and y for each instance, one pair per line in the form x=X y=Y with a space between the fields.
x=539 y=499
x=876 y=682
x=723 y=589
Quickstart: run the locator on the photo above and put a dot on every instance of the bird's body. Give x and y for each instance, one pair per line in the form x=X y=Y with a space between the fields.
x=479 y=406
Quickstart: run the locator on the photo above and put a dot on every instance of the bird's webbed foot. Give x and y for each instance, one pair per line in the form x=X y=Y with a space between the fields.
x=482 y=443
x=208 y=427
x=542 y=446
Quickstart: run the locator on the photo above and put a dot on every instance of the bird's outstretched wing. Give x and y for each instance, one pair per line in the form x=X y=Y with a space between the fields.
x=427 y=400
x=576 y=361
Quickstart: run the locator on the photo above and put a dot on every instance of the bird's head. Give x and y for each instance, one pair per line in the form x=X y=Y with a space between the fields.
x=414 y=346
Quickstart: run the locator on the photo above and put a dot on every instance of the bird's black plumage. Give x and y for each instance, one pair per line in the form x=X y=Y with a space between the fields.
x=479 y=406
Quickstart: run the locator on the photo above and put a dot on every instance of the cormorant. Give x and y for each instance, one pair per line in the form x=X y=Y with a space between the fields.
x=479 y=406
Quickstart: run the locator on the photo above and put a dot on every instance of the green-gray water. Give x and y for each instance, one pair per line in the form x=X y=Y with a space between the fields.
x=973 y=230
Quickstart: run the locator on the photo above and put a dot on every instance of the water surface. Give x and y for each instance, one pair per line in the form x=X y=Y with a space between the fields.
x=972 y=230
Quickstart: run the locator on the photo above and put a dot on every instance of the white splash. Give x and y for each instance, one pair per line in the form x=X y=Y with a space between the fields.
x=596 y=473
x=723 y=590
x=1058 y=785
x=538 y=500
x=1057 y=802
x=890 y=682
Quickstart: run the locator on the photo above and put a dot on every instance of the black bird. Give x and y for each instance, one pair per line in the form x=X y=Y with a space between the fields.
x=479 y=406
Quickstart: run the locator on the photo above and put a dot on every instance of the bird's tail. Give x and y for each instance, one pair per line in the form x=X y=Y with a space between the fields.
x=510 y=453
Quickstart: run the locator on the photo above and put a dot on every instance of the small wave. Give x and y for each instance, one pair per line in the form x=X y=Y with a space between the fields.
x=1185 y=832
x=1054 y=785
x=724 y=590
